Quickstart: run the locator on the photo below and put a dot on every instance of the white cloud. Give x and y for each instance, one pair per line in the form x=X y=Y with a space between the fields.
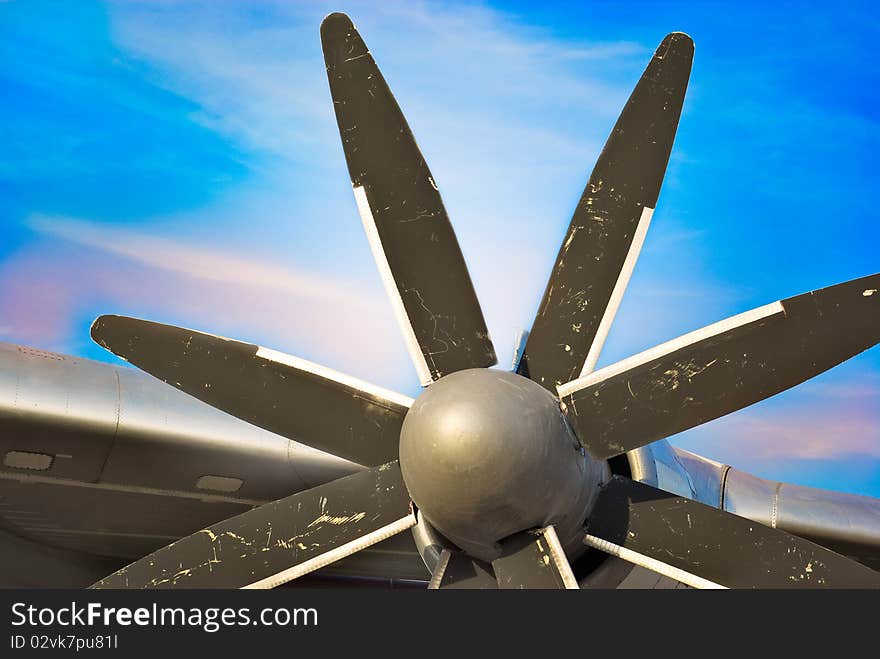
x=509 y=116
x=81 y=268
x=259 y=76
x=196 y=261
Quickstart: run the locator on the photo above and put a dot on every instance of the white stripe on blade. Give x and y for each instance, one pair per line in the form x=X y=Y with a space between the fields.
x=336 y=376
x=335 y=554
x=670 y=346
x=629 y=264
x=440 y=570
x=559 y=558
x=652 y=564
x=409 y=336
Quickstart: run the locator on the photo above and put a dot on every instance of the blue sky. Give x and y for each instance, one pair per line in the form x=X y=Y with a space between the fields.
x=180 y=162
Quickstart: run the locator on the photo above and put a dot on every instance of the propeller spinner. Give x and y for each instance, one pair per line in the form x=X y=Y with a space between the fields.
x=486 y=454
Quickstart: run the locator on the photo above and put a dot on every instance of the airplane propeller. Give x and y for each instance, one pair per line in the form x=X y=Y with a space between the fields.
x=509 y=467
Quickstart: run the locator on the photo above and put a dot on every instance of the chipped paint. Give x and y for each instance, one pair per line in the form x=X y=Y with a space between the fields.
x=669 y=535
x=652 y=354
x=338 y=520
x=283 y=539
x=407 y=227
x=606 y=233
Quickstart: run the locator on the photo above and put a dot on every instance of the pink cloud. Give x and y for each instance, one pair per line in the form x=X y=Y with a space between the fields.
x=79 y=270
x=832 y=418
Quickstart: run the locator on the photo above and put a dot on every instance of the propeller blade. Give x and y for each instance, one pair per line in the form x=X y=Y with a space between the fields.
x=609 y=225
x=710 y=548
x=722 y=368
x=412 y=240
x=534 y=559
x=282 y=540
x=286 y=395
x=456 y=570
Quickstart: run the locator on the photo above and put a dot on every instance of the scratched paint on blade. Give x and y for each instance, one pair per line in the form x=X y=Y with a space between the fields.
x=713 y=544
x=709 y=373
x=278 y=536
x=608 y=227
x=410 y=234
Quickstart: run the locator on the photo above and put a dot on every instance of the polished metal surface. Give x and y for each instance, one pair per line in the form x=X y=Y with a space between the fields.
x=429 y=542
x=706 y=476
x=128 y=454
x=846 y=523
x=114 y=425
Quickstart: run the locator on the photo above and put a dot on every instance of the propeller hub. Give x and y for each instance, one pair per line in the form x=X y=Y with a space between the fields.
x=486 y=454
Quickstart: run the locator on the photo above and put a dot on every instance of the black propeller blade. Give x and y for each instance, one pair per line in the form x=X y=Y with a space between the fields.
x=286 y=395
x=282 y=540
x=412 y=240
x=722 y=368
x=533 y=559
x=718 y=548
x=606 y=233
x=457 y=570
